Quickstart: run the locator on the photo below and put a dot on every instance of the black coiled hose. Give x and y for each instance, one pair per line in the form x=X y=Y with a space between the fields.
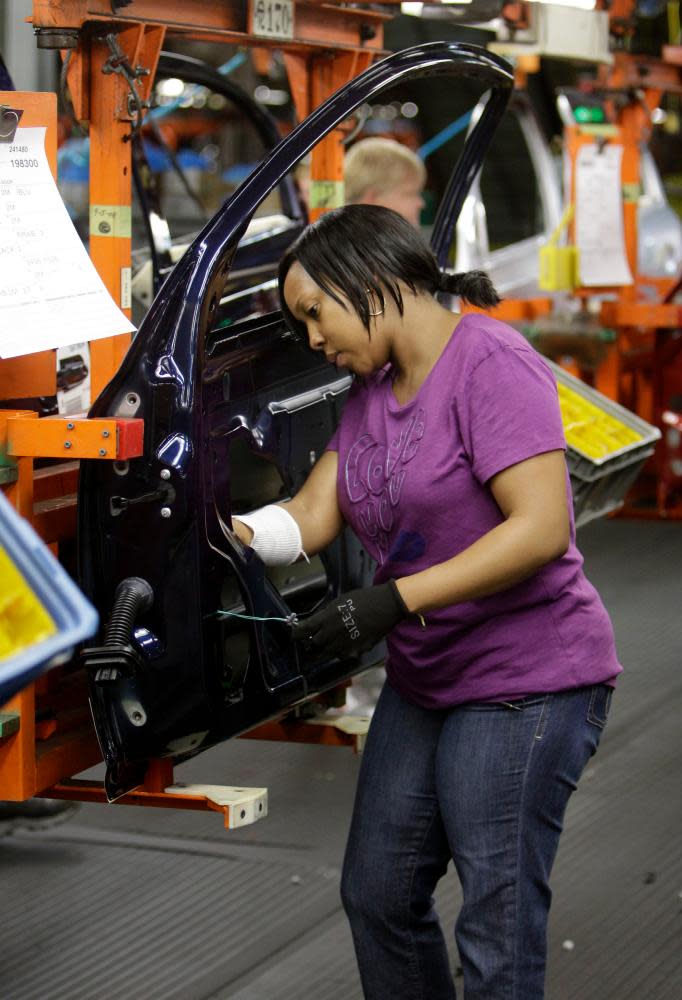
x=133 y=595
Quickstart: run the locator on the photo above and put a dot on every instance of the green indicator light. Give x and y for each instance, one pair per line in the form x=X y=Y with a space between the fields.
x=592 y=115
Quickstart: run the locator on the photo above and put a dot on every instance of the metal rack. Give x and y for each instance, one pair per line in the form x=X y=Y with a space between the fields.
x=110 y=53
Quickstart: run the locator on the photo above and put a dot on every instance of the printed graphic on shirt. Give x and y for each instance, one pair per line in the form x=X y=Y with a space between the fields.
x=375 y=477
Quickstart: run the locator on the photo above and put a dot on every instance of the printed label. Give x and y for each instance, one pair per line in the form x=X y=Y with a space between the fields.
x=126 y=294
x=110 y=220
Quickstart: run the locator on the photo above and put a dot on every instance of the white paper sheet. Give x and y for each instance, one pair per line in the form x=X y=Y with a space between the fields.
x=50 y=293
x=599 y=216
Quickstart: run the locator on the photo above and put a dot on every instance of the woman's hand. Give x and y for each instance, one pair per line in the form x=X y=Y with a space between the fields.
x=314 y=509
x=352 y=623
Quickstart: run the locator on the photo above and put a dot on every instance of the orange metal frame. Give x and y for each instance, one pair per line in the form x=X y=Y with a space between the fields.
x=47 y=733
x=57 y=437
x=151 y=793
x=631 y=369
x=642 y=318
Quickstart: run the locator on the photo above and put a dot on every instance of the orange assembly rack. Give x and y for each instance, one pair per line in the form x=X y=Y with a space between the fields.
x=46 y=733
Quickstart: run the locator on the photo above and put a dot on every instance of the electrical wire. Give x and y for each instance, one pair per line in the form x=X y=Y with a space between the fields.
x=256 y=618
x=66 y=97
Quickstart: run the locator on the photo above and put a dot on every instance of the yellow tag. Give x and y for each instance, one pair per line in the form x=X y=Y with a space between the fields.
x=590 y=430
x=326 y=194
x=110 y=220
x=558 y=268
x=604 y=129
x=631 y=192
x=23 y=619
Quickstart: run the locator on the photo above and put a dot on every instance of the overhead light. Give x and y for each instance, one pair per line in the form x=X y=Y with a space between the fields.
x=273 y=98
x=579 y=4
x=416 y=9
x=172 y=87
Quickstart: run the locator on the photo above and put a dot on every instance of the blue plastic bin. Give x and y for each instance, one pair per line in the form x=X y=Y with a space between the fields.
x=74 y=617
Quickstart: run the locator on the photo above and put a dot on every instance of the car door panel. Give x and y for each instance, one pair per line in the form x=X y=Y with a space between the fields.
x=236 y=411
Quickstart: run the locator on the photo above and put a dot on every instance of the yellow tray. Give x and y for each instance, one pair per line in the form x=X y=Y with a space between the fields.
x=23 y=619
x=591 y=430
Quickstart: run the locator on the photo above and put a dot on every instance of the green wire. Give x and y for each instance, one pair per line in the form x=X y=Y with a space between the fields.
x=251 y=618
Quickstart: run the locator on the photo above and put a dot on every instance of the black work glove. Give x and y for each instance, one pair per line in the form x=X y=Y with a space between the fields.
x=353 y=623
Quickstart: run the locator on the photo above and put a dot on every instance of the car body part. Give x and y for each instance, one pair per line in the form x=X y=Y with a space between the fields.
x=236 y=412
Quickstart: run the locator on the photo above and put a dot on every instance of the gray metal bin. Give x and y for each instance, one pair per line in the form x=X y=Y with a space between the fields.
x=600 y=482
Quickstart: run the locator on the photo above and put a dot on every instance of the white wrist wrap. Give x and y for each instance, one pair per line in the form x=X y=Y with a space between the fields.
x=276 y=535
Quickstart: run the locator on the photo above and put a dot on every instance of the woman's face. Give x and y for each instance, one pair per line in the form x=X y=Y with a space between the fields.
x=336 y=331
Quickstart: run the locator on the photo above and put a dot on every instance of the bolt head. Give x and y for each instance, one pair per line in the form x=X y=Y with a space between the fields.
x=165 y=473
x=103 y=452
x=105 y=434
x=69 y=426
x=67 y=444
x=165 y=512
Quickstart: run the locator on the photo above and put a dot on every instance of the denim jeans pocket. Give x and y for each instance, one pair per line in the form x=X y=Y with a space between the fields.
x=600 y=703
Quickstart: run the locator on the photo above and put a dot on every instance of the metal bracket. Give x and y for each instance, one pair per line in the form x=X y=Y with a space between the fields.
x=119 y=63
x=240 y=806
x=10 y=723
x=9 y=122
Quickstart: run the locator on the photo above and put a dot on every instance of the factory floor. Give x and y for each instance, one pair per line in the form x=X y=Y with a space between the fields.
x=124 y=903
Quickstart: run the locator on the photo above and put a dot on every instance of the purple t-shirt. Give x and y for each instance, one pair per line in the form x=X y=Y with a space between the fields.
x=412 y=485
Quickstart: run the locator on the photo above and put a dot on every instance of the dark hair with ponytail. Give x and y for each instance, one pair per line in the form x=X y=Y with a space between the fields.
x=474 y=287
x=363 y=251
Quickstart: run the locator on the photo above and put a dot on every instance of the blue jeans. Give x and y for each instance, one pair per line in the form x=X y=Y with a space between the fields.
x=486 y=785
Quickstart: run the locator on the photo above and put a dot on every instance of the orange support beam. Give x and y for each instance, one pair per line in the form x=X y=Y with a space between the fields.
x=514 y=310
x=20 y=492
x=17 y=752
x=651 y=315
x=71 y=437
x=317 y=25
x=312 y=80
x=112 y=113
x=39 y=754
x=326 y=174
x=234 y=812
x=28 y=375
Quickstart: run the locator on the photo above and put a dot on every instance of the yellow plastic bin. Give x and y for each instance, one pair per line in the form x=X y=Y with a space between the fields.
x=43 y=614
x=607 y=445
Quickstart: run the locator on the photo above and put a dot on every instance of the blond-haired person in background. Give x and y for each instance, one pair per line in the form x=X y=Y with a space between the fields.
x=384 y=172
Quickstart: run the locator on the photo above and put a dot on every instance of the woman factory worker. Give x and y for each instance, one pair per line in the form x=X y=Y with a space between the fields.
x=448 y=463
